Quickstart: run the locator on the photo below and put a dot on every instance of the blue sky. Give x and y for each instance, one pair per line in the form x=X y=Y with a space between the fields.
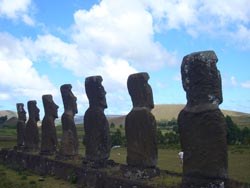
x=44 y=44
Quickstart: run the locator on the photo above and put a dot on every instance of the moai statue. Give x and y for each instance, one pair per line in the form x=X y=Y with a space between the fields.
x=96 y=127
x=20 y=125
x=31 y=137
x=202 y=125
x=69 y=143
x=140 y=124
x=49 y=137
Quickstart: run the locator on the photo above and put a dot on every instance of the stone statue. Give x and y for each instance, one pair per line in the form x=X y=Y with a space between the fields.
x=140 y=124
x=31 y=138
x=69 y=144
x=20 y=125
x=202 y=125
x=96 y=126
x=49 y=137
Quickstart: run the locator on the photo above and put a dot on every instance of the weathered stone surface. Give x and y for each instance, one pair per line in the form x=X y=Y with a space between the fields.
x=202 y=81
x=82 y=176
x=31 y=139
x=49 y=137
x=69 y=144
x=20 y=124
x=96 y=127
x=202 y=125
x=140 y=124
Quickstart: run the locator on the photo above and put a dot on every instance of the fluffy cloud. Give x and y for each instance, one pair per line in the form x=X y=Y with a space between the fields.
x=17 y=71
x=246 y=84
x=225 y=18
x=121 y=29
x=16 y=10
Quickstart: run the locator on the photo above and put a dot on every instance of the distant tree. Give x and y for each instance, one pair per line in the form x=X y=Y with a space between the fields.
x=112 y=125
x=160 y=137
x=233 y=131
x=3 y=119
x=117 y=138
x=172 y=138
x=245 y=136
x=172 y=122
x=162 y=124
x=176 y=129
x=121 y=126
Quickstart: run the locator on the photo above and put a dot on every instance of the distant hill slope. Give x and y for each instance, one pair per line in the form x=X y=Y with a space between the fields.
x=163 y=112
x=8 y=113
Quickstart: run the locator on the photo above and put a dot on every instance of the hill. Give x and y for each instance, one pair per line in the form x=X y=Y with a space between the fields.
x=8 y=113
x=166 y=112
x=162 y=112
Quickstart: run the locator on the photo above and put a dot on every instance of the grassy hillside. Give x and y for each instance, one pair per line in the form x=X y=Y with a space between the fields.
x=160 y=111
x=170 y=111
x=8 y=113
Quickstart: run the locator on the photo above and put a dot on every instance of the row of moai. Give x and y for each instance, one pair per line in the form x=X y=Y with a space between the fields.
x=202 y=125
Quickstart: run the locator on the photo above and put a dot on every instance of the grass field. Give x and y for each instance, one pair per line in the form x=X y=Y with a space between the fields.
x=24 y=179
x=238 y=159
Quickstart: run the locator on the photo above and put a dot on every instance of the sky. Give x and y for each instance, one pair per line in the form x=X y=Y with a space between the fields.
x=45 y=44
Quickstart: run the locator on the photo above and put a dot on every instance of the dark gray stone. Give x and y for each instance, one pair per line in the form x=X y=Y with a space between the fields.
x=96 y=126
x=31 y=138
x=49 y=137
x=202 y=125
x=20 y=124
x=69 y=144
x=140 y=124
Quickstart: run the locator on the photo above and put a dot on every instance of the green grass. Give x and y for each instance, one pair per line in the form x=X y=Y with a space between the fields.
x=24 y=179
x=239 y=163
x=239 y=156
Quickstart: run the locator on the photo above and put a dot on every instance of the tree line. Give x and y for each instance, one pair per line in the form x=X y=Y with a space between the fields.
x=168 y=134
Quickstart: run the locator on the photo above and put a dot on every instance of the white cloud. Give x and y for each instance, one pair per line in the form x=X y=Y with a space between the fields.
x=121 y=29
x=241 y=37
x=226 y=19
x=4 y=96
x=17 y=71
x=16 y=10
x=112 y=39
x=246 y=84
x=233 y=81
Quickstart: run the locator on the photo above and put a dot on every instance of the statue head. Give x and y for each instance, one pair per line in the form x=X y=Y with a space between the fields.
x=21 y=112
x=50 y=108
x=201 y=79
x=33 y=110
x=140 y=91
x=69 y=99
x=95 y=92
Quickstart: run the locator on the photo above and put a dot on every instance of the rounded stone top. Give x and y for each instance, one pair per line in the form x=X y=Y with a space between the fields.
x=65 y=88
x=142 y=75
x=201 y=80
x=95 y=92
x=50 y=108
x=33 y=110
x=140 y=90
x=208 y=56
x=47 y=97
x=94 y=79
